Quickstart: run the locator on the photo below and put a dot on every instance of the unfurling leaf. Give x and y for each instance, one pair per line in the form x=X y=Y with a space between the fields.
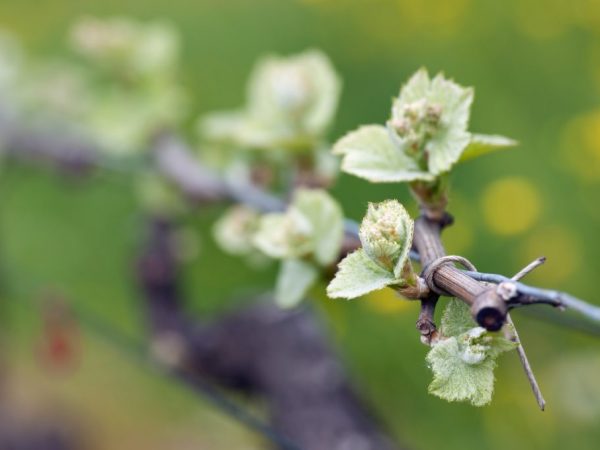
x=358 y=275
x=386 y=235
x=463 y=360
x=482 y=144
x=294 y=279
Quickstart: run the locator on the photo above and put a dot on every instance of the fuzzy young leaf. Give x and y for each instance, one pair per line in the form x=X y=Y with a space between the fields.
x=456 y=318
x=455 y=379
x=369 y=153
x=432 y=117
x=482 y=144
x=358 y=275
x=426 y=134
x=386 y=234
x=463 y=361
x=295 y=278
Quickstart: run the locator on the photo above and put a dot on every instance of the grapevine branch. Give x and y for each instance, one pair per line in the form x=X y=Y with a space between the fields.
x=281 y=355
x=489 y=304
x=176 y=162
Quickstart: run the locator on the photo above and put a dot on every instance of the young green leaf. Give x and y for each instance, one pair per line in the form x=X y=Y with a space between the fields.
x=295 y=278
x=425 y=137
x=463 y=360
x=358 y=275
x=457 y=318
x=455 y=379
x=482 y=144
x=369 y=153
x=432 y=117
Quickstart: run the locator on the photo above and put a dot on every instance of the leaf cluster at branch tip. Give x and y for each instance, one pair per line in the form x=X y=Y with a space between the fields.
x=424 y=138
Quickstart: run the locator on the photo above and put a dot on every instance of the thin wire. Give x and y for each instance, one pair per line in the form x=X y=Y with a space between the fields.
x=540 y=295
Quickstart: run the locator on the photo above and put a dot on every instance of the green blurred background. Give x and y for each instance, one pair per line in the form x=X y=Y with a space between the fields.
x=535 y=65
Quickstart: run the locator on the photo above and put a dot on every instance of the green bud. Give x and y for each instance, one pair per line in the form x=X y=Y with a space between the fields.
x=386 y=235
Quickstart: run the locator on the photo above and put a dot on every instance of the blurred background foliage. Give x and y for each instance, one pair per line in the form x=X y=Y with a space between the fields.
x=535 y=65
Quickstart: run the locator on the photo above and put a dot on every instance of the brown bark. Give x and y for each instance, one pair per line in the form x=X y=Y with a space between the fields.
x=283 y=357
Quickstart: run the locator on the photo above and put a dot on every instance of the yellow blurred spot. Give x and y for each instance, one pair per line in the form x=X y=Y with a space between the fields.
x=587 y=14
x=438 y=15
x=511 y=206
x=394 y=21
x=543 y=19
x=387 y=301
x=581 y=146
x=560 y=246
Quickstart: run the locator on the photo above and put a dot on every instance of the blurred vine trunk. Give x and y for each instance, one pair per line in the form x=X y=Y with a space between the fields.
x=283 y=357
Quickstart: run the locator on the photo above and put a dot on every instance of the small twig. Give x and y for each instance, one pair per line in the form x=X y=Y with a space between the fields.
x=526 y=366
x=425 y=322
x=537 y=392
x=529 y=268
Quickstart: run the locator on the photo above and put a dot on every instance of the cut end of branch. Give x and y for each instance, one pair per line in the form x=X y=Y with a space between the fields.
x=489 y=310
